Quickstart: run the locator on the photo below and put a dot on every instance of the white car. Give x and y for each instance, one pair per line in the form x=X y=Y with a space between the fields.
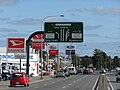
x=72 y=70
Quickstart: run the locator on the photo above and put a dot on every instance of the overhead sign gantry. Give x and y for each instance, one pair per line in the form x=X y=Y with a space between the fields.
x=63 y=31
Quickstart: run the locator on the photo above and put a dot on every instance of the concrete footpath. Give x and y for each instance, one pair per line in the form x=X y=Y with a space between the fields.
x=35 y=79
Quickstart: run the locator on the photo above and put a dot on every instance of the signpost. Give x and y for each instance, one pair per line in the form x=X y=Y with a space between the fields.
x=70 y=50
x=53 y=49
x=38 y=41
x=63 y=31
x=20 y=56
x=16 y=45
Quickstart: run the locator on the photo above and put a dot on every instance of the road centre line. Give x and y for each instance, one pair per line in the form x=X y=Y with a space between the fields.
x=74 y=82
x=95 y=83
x=110 y=83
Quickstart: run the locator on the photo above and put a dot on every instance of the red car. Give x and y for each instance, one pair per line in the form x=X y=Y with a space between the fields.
x=19 y=78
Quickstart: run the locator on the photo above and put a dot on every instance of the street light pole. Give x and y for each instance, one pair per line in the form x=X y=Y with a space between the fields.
x=41 y=36
x=50 y=17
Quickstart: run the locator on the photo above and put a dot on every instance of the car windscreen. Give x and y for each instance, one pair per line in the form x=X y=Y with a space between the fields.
x=17 y=75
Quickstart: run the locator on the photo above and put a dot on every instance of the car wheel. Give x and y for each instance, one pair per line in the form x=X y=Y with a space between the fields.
x=116 y=80
x=10 y=85
x=27 y=84
x=13 y=85
x=4 y=79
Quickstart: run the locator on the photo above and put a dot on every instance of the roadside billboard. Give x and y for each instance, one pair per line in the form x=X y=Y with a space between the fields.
x=53 y=49
x=16 y=45
x=12 y=58
x=38 y=41
x=70 y=50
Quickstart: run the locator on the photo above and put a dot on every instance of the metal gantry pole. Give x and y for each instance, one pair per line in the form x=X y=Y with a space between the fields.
x=0 y=65
x=41 y=56
x=58 y=66
x=42 y=29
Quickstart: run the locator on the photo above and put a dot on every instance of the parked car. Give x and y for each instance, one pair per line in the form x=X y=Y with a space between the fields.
x=19 y=78
x=118 y=77
x=60 y=74
x=6 y=75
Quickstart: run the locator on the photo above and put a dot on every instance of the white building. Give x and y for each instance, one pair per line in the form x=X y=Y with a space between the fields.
x=9 y=58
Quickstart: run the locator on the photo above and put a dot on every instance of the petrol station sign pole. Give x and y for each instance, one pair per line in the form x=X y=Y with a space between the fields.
x=28 y=41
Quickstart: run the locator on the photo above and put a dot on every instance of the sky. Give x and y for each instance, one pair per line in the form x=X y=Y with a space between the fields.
x=101 y=21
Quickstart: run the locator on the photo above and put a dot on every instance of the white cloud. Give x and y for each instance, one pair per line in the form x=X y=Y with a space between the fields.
x=92 y=35
x=107 y=11
x=7 y=30
x=26 y=21
x=32 y=21
x=7 y=2
x=4 y=19
x=90 y=27
x=97 y=10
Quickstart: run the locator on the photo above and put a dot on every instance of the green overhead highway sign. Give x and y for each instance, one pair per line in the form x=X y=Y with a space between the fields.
x=63 y=31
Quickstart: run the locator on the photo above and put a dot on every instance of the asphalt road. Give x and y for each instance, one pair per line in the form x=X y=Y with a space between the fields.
x=74 y=82
x=112 y=79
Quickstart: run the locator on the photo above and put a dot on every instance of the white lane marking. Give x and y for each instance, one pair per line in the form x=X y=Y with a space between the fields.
x=45 y=84
x=110 y=83
x=64 y=87
x=108 y=88
x=53 y=82
x=95 y=83
x=59 y=80
x=39 y=80
x=35 y=87
x=74 y=81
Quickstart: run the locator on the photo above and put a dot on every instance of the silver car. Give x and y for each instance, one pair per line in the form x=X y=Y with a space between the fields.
x=60 y=74
x=118 y=77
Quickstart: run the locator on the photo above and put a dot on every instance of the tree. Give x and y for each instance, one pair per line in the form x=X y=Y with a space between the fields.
x=116 y=61
x=100 y=59
x=86 y=61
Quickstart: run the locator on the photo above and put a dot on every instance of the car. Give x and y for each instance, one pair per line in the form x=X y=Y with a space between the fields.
x=91 y=70
x=19 y=78
x=117 y=68
x=6 y=75
x=66 y=71
x=43 y=73
x=118 y=77
x=103 y=70
x=60 y=74
x=86 y=71
x=0 y=77
x=72 y=70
